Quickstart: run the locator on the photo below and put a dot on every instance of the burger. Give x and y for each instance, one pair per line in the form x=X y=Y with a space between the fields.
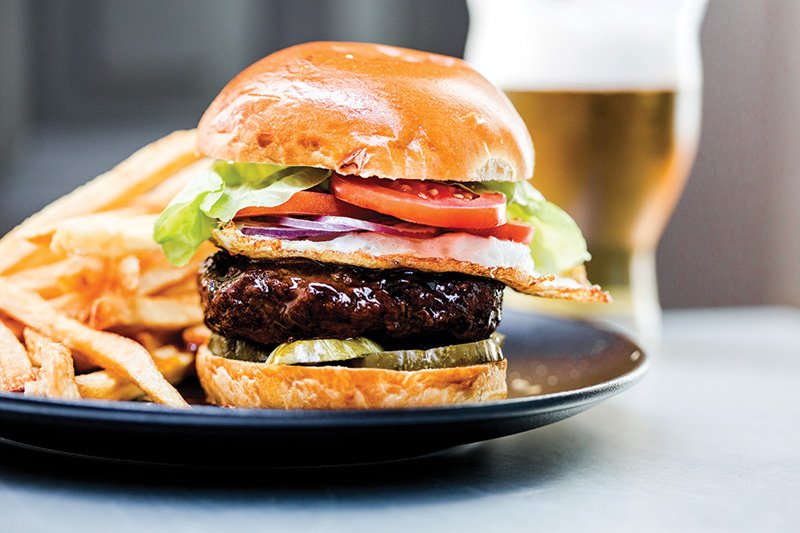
x=370 y=205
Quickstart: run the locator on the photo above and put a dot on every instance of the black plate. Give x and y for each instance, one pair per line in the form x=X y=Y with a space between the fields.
x=557 y=368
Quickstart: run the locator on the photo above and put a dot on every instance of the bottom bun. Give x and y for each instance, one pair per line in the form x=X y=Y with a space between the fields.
x=233 y=383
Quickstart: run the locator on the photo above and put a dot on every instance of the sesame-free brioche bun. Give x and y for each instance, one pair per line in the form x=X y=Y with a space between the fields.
x=369 y=110
x=233 y=383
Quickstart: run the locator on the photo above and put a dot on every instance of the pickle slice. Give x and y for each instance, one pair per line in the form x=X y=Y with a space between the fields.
x=322 y=351
x=360 y=353
x=237 y=349
x=471 y=353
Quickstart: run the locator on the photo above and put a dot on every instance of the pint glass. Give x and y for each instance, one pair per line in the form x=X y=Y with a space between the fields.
x=611 y=93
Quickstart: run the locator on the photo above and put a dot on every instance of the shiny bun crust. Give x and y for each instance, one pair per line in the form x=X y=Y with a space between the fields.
x=233 y=383
x=369 y=110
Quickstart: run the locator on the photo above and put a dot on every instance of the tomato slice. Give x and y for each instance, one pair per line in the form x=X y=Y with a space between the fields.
x=309 y=203
x=513 y=230
x=423 y=202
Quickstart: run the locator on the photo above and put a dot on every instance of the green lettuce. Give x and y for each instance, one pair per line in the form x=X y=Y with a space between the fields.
x=227 y=188
x=558 y=244
x=218 y=195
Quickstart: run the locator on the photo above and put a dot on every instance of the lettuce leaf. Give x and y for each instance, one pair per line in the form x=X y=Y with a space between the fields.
x=227 y=188
x=218 y=195
x=558 y=244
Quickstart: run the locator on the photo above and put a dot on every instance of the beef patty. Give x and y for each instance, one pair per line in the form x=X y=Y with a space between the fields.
x=271 y=302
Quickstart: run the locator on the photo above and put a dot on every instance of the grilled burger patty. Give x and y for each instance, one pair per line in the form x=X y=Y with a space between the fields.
x=271 y=302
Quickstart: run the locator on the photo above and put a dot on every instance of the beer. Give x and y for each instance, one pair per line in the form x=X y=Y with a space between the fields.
x=611 y=94
x=617 y=162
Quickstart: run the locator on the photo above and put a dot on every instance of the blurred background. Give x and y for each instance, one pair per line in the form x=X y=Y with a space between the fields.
x=83 y=84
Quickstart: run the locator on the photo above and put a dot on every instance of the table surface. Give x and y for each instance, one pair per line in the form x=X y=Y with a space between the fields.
x=708 y=441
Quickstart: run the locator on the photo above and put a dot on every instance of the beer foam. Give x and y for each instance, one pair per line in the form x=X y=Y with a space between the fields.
x=586 y=44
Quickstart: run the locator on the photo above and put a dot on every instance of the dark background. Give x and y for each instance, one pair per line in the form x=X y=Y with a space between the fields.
x=85 y=83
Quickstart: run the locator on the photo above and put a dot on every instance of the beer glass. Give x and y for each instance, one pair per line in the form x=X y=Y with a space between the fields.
x=611 y=93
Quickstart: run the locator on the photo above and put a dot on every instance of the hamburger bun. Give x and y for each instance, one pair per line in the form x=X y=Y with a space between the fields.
x=369 y=110
x=233 y=383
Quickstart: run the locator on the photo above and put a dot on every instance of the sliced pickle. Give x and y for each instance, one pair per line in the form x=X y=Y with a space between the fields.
x=237 y=349
x=360 y=353
x=471 y=353
x=322 y=351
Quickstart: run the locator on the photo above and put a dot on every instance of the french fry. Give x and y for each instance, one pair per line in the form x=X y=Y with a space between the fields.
x=185 y=289
x=129 y=273
x=139 y=173
x=113 y=352
x=44 y=279
x=108 y=311
x=150 y=340
x=156 y=279
x=105 y=235
x=73 y=274
x=74 y=305
x=42 y=234
x=196 y=335
x=88 y=275
x=161 y=277
x=15 y=367
x=36 y=256
x=56 y=377
x=156 y=312
x=173 y=363
x=166 y=313
x=35 y=341
x=15 y=327
x=104 y=385
x=20 y=254
x=90 y=254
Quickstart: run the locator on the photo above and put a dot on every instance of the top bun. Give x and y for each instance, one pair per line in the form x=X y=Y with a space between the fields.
x=369 y=110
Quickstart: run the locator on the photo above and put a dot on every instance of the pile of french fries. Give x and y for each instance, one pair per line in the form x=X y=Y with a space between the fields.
x=89 y=305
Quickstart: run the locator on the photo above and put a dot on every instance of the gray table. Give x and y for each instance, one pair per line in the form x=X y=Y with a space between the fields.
x=708 y=441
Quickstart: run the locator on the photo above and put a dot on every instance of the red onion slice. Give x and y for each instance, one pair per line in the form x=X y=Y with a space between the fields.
x=277 y=232
x=298 y=228
x=400 y=229
x=304 y=223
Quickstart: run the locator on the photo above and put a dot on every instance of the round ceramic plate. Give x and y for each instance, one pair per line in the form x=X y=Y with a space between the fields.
x=557 y=368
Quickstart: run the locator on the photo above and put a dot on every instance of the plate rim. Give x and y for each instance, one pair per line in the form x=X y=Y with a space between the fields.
x=129 y=412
